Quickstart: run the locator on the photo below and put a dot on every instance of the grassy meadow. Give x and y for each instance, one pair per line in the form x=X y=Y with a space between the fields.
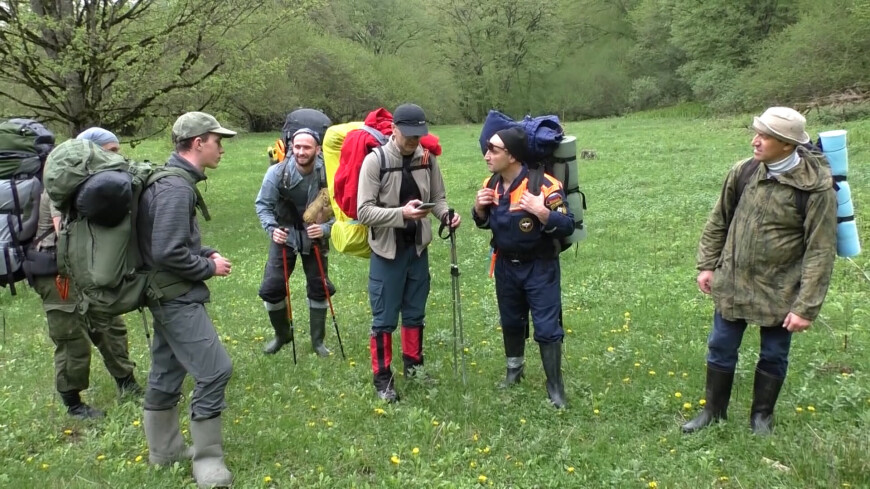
x=634 y=352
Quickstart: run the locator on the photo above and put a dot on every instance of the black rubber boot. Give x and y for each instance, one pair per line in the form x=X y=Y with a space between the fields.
x=283 y=333
x=127 y=386
x=765 y=392
x=514 y=352
x=717 y=395
x=551 y=357
x=317 y=322
x=77 y=409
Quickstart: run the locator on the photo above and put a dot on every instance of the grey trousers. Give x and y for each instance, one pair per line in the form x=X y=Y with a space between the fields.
x=185 y=341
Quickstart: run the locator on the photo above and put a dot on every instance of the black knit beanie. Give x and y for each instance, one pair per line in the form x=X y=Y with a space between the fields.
x=514 y=139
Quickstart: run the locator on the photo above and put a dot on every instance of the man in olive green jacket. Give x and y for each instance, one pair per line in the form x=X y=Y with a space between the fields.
x=766 y=256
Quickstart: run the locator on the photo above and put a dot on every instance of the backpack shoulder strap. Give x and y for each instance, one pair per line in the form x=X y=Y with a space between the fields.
x=165 y=171
x=424 y=162
x=536 y=179
x=382 y=139
x=743 y=178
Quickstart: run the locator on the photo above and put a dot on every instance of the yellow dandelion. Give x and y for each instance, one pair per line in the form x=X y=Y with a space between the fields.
x=67 y=432
x=723 y=478
x=415 y=451
x=627 y=314
x=247 y=387
x=435 y=422
x=678 y=395
x=570 y=470
x=237 y=421
x=312 y=407
x=522 y=421
x=311 y=424
x=799 y=409
x=329 y=424
x=653 y=484
x=395 y=459
x=475 y=437
x=685 y=375
x=473 y=364
x=379 y=411
x=101 y=457
x=136 y=422
x=138 y=458
x=472 y=464
x=652 y=372
x=267 y=480
x=465 y=350
x=671 y=373
x=44 y=466
x=811 y=408
x=277 y=465
x=595 y=411
x=673 y=451
x=481 y=479
x=702 y=402
x=626 y=380
x=353 y=364
x=636 y=364
x=486 y=449
x=687 y=405
x=610 y=349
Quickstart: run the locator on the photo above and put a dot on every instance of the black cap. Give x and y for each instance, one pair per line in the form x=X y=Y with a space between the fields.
x=514 y=139
x=411 y=120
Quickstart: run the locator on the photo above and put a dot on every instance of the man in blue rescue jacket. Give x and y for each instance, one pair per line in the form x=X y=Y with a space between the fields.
x=526 y=226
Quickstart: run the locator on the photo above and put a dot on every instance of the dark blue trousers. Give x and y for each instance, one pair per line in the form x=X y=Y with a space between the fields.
x=724 y=342
x=533 y=286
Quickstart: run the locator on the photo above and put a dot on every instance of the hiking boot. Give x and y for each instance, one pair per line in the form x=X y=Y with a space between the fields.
x=388 y=394
x=764 y=395
x=283 y=331
x=127 y=386
x=83 y=411
x=317 y=321
x=717 y=395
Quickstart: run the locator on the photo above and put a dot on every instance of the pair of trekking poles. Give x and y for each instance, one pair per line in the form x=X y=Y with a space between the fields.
x=319 y=260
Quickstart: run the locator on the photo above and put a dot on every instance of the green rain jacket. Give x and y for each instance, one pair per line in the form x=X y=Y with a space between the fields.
x=772 y=260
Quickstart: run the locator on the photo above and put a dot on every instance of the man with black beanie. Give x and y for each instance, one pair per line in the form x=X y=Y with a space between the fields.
x=526 y=225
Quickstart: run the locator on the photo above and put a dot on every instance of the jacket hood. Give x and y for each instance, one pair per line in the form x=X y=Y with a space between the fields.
x=812 y=174
x=381 y=119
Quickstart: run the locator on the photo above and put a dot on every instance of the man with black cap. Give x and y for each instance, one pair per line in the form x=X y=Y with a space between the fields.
x=766 y=257
x=400 y=183
x=185 y=340
x=288 y=188
x=526 y=225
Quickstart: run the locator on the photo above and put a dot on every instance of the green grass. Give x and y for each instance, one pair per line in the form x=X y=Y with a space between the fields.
x=636 y=330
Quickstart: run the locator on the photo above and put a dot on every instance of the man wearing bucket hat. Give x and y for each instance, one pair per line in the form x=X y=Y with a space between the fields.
x=526 y=226
x=766 y=262
x=185 y=340
x=395 y=181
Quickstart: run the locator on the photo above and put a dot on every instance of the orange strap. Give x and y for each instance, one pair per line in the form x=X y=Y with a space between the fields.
x=62 y=284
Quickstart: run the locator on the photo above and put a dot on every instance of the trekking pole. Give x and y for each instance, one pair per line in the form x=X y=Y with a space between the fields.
x=457 y=297
x=328 y=298
x=289 y=304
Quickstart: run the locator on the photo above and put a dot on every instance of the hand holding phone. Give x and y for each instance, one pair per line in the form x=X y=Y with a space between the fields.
x=426 y=206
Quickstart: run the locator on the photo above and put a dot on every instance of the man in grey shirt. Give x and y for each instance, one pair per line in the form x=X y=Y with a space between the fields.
x=185 y=340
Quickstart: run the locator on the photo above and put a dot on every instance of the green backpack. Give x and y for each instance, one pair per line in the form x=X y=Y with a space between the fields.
x=103 y=262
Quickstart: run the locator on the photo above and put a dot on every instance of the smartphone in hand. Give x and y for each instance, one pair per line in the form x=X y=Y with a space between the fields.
x=426 y=206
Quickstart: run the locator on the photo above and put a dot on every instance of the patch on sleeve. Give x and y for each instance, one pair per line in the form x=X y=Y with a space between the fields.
x=553 y=201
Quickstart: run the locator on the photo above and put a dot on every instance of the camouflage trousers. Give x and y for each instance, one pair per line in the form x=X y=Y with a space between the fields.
x=73 y=339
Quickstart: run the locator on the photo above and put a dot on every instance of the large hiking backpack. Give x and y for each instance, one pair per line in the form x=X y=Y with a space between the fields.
x=24 y=146
x=345 y=147
x=312 y=119
x=101 y=257
x=548 y=151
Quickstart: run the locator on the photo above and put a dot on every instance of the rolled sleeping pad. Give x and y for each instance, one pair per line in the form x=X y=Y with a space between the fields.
x=834 y=147
x=105 y=198
x=565 y=170
x=835 y=150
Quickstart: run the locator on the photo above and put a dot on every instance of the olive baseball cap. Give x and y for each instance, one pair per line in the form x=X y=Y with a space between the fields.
x=192 y=124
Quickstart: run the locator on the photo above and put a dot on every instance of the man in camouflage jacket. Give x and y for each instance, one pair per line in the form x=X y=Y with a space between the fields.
x=766 y=256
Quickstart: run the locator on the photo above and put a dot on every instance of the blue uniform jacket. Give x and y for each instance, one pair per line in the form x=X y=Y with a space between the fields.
x=518 y=232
